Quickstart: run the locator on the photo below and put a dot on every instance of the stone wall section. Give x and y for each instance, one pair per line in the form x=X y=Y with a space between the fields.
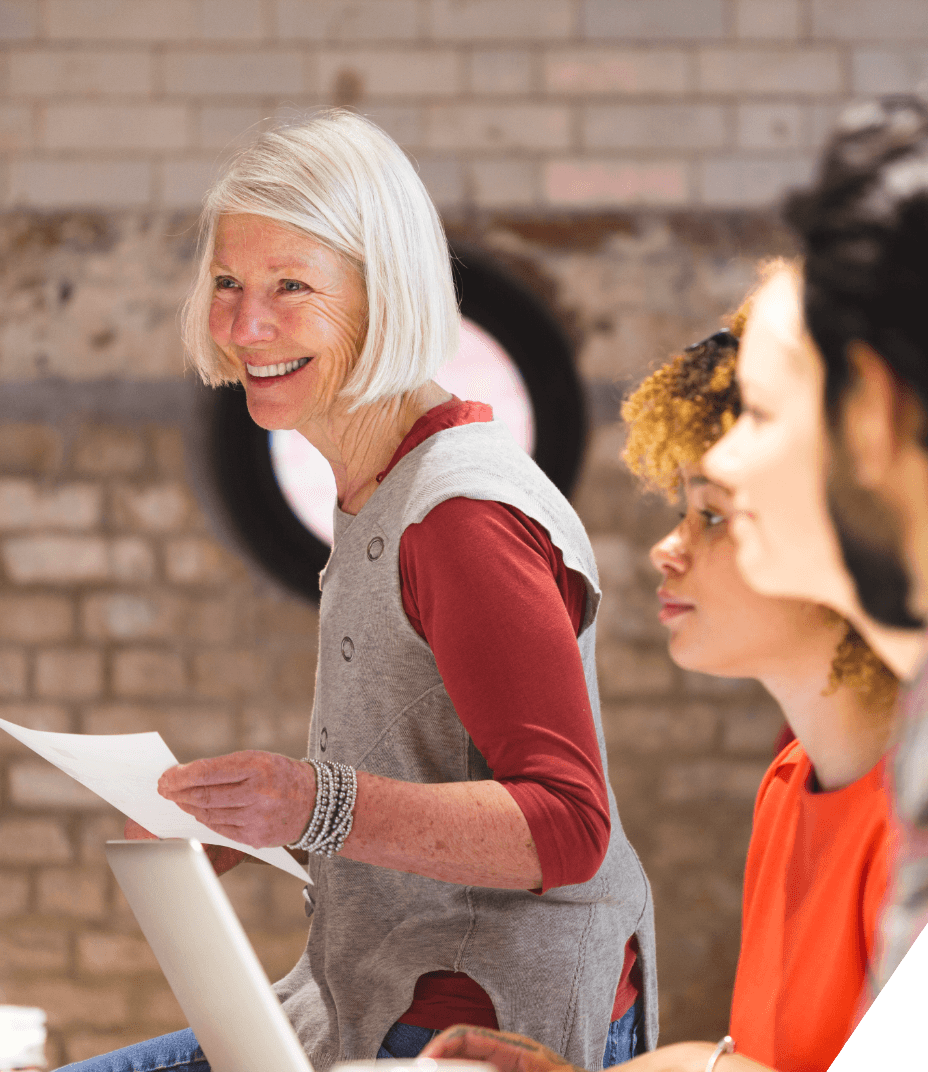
x=125 y=607
x=515 y=104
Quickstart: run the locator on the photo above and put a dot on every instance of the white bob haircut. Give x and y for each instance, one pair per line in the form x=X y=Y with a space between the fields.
x=341 y=180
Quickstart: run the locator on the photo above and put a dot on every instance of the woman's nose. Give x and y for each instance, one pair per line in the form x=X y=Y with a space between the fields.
x=253 y=322
x=671 y=554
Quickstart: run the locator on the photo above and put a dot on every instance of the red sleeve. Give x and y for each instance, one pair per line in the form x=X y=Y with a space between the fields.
x=487 y=590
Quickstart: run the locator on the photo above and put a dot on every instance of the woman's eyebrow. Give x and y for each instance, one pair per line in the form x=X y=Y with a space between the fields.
x=700 y=481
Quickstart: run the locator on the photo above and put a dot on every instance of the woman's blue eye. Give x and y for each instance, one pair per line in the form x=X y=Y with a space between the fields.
x=223 y=282
x=292 y=285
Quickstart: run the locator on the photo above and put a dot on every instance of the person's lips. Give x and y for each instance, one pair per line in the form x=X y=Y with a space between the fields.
x=672 y=606
x=276 y=371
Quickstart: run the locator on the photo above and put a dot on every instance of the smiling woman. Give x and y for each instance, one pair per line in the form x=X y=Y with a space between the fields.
x=454 y=804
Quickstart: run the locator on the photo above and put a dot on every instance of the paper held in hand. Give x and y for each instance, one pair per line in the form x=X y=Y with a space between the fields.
x=124 y=770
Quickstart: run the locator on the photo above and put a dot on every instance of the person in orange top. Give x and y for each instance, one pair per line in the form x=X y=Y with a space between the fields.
x=821 y=844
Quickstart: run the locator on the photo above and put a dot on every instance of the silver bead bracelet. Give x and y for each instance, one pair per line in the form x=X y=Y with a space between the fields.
x=333 y=812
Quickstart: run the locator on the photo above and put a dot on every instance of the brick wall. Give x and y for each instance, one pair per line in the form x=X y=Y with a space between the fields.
x=527 y=104
x=120 y=613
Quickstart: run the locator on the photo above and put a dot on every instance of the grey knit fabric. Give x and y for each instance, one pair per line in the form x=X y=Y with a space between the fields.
x=550 y=963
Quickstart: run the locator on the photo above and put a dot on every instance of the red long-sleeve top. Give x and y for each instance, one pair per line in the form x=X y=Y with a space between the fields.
x=488 y=591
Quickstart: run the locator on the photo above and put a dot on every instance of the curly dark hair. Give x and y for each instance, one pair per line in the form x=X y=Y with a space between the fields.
x=864 y=230
x=675 y=415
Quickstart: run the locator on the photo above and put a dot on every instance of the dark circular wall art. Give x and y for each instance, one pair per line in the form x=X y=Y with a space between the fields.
x=258 y=501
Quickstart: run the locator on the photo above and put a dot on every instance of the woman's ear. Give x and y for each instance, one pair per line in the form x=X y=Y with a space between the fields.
x=876 y=417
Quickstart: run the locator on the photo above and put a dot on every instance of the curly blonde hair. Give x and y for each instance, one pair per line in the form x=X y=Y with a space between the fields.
x=674 y=416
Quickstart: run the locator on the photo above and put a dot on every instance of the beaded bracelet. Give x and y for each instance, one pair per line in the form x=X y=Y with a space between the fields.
x=333 y=812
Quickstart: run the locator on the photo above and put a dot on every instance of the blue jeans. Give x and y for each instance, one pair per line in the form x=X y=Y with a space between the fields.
x=179 y=1052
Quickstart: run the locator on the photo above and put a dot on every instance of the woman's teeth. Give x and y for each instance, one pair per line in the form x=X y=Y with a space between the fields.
x=280 y=369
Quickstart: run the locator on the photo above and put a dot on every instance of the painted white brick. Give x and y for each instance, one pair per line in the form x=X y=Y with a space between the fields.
x=821 y=119
x=225 y=126
x=184 y=182
x=238 y=72
x=16 y=129
x=653 y=19
x=850 y=20
x=12 y=672
x=79 y=183
x=230 y=20
x=37 y=784
x=443 y=178
x=19 y=19
x=768 y=70
x=771 y=126
x=346 y=20
x=391 y=72
x=500 y=71
x=504 y=183
x=76 y=559
x=404 y=123
x=884 y=70
x=116 y=126
x=742 y=182
x=56 y=72
x=653 y=126
x=617 y=70
x=56 y=559
x=500 y=126
x=515 y=19
x=131 y=559
x=612 y=183
x=768 y=18
x=24 y=505
x=114 y=20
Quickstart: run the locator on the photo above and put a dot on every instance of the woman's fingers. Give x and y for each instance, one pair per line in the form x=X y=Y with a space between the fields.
x=508 y=1052
x=258 y=798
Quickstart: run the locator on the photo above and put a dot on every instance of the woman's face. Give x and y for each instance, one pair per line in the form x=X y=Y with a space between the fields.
x=718 y=624
x=289 y=314
x=774 y=458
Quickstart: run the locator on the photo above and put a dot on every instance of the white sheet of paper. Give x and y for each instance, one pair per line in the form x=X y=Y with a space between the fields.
x=124 y=770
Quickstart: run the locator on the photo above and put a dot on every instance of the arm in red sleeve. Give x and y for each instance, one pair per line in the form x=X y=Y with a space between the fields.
x=487 y=590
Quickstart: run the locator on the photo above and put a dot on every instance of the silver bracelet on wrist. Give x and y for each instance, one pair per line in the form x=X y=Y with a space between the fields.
x=726 y=1045
x=333 y=811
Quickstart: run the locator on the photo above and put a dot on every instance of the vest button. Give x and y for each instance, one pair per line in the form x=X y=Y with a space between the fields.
x=347 y=649
x=323 y=739
x=375 y=549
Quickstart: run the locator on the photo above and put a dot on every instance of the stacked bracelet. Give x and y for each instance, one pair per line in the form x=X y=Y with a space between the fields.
x=333 y=812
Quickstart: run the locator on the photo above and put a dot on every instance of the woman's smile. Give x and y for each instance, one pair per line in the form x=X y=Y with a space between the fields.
x=276 y=371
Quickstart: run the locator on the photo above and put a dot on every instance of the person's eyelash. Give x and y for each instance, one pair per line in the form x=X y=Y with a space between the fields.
x=712 y=518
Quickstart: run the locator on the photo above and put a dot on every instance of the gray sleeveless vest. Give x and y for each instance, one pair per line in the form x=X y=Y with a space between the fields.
x=550 y=963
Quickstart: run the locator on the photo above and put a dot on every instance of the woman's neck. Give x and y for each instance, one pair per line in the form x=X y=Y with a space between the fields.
x=358 y=445
x=841 y=736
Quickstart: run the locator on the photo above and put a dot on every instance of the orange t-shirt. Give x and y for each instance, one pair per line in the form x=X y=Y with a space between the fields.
x=815 y=880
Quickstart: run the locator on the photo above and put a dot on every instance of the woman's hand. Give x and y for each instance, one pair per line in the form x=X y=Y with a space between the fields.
x=220 y=856
x=471 y=833
x=515 y=1053
x=258 y=798
x=508 y=1052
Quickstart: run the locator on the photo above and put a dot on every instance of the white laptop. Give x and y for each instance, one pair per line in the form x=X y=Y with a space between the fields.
x=206 y=957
